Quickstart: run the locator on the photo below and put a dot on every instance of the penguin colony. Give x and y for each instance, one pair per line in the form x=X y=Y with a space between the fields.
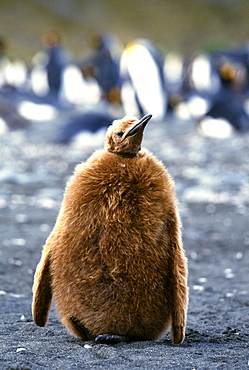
x=114 y=262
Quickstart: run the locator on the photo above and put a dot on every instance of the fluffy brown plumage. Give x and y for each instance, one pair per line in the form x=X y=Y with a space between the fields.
x=114 y=261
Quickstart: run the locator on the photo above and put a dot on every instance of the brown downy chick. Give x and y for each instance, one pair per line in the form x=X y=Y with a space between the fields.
x=114 y=262
x=125 y=137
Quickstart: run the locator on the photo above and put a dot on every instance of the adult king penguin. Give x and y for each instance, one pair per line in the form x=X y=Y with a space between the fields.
x=114 y=261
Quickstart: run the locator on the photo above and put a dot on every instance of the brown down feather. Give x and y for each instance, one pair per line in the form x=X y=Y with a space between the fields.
x=114 y=259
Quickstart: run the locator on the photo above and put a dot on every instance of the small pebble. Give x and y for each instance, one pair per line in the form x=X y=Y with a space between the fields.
x=202 y=280
x=17 y=295
x=193 y=255
x=210 y=208
x=239 y=256
x=243 y=292
x=200 y=288
x=44 y=227
x=87 y=346
x=21 y=218
x=15 y=262
x=3 y=203
x=21 y=349
x=18 y=241
x=228 y=273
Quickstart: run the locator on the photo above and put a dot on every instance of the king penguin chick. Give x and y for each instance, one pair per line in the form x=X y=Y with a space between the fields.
x=114 y=262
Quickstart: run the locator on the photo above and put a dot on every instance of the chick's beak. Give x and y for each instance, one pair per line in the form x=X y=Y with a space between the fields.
x=140 y=125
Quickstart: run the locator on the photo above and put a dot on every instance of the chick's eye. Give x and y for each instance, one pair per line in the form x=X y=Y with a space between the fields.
x=119 y=134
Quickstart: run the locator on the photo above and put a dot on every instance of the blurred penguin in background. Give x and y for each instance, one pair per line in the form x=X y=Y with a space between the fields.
x=4 y=62
x=238 y=56
x=13 y=71
x=228 y=102
x=89 y=121
x=143 y=83
x=49 y=64
x=214 y=95
x=102 y=64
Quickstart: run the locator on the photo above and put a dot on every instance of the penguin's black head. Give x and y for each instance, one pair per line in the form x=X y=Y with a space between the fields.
x=124 y=137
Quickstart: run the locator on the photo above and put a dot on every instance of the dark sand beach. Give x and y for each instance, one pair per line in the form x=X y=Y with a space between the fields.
x=212 y=183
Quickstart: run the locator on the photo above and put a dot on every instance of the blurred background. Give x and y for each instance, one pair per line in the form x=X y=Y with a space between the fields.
x=191 y=57
x=187 y=26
